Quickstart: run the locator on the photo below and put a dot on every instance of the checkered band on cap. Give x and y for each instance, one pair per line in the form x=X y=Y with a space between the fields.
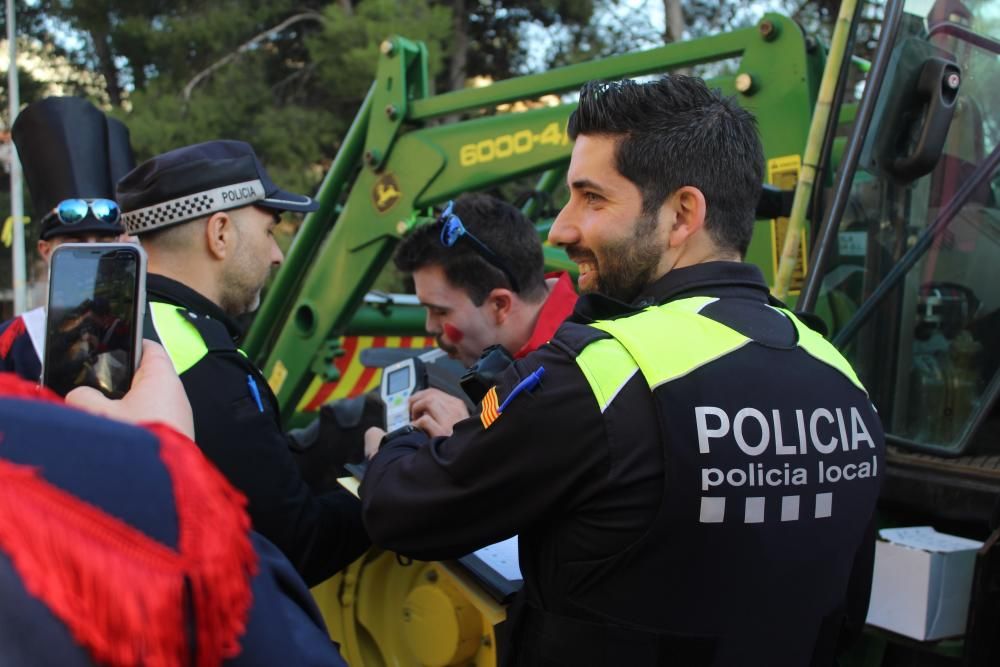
x=193 y=206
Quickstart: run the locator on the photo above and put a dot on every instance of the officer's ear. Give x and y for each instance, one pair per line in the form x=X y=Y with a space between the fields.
x=688 y=209
x=220 y=235
x=45 y=249
x=499 y=303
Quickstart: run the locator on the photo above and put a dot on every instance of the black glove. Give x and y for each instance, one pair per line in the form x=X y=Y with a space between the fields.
x=335 y=438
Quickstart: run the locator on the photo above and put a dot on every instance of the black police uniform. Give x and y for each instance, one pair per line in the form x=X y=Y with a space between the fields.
x=236 y=417
x=693 y=482
x=238 y=429
x=68 y=150
x=108 y=555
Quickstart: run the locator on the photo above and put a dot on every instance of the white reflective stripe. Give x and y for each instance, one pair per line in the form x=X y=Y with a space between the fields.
x=34 y=322
x=194 y=205
x=617 y=391
x=702 y=307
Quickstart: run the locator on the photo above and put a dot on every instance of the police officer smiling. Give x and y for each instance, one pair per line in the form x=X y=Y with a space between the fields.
x=205 y=215
x=694 y=478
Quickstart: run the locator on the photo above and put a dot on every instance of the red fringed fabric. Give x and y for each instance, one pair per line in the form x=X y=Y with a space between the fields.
x=12 y=386
x=215 y=543
x=120 y=593
x=15 y=329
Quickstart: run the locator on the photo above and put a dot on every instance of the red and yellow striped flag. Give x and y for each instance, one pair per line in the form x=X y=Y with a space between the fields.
x=491 y=408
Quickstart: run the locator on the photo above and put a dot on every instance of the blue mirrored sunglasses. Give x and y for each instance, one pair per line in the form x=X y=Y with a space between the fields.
x=72 y=211
x=452 y=230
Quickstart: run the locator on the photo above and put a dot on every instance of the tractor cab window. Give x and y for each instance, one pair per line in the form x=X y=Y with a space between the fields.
x=912 y=291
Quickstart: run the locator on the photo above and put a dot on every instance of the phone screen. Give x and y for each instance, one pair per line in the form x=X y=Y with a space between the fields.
x=94 y=319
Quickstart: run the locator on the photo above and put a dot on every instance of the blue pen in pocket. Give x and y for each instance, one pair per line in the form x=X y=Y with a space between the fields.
x=255 y=392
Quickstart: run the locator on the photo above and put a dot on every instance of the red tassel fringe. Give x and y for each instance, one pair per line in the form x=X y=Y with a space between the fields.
x=121 y=593
x=215 y=543
x=12 y=386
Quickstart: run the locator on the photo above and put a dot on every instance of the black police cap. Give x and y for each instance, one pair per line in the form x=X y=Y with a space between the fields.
x=195 y=181
x=70 y=150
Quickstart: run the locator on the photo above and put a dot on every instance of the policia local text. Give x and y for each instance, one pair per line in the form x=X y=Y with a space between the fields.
x=824 y=430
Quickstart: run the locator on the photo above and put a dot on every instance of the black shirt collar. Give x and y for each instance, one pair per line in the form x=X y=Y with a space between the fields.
x=171 y=291
x=715 y=279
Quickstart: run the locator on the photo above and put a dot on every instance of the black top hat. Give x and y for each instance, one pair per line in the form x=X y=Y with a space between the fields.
x=196 y=181
x=70 y=150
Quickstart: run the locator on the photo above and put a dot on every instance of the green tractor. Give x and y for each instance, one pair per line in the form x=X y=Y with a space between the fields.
x=883 y=219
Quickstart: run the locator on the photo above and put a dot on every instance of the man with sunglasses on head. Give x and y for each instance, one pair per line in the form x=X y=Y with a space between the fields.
x=666 y=459
x=205 y=214
x=72 y=155
x=479 y=273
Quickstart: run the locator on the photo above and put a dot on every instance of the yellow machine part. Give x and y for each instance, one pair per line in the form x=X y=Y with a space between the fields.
x=784 y=173
x=386 y=611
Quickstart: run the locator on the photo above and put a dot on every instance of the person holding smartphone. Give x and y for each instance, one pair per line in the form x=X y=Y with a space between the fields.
x=120 y=544
x=205 y=215
x=95 y=317
x=72 y=156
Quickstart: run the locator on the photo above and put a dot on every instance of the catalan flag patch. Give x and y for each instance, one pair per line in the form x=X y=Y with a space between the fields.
x=491 y=408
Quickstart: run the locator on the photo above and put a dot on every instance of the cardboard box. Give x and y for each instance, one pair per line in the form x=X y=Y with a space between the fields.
x=922 y=582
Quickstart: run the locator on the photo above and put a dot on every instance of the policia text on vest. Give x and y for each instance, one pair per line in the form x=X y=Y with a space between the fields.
x=754 y=432
x=760 y=437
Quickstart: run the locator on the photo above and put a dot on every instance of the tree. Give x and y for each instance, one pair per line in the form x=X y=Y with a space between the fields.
x=488 y=36
x=675 y=23
x=288 y=75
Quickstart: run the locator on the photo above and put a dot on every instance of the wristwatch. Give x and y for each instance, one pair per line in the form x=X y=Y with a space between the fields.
x=402 y=430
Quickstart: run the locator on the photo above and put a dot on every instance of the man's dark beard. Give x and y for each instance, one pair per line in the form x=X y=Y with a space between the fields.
x=627 y=266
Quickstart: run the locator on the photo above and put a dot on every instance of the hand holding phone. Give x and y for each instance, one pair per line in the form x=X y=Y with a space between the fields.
x=93 y=334
x=156 y=395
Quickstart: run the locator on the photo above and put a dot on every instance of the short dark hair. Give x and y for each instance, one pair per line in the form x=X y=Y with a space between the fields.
x=502 y=227
x=674 y=132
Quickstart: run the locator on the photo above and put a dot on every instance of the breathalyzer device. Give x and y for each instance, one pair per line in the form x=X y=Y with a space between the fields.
x=399 y=381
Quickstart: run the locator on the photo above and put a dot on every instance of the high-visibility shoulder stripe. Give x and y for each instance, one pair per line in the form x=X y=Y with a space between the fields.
x=183 y=343
x=693 y=304
x=607 y=367
x=650 y=338
x=820 y=348
x=670 y=341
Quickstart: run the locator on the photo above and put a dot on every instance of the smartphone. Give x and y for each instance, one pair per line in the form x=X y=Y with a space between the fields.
x=96 y=305
x=399 y=381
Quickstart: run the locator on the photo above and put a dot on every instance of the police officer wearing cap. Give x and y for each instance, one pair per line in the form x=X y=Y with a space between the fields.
x=205 y=216
x=72 y=156
x=691 y=470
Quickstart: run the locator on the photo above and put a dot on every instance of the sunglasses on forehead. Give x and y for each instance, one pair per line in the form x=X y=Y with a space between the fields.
x=452 y=230
x=72 y=211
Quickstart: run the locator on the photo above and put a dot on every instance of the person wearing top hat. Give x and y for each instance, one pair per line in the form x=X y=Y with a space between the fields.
x=205 y=215
x=72 y=156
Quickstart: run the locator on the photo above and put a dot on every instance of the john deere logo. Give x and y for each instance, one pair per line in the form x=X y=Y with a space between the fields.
x=386 y=192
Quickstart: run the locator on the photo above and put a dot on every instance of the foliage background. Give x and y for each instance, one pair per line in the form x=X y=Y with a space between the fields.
x=288 y=75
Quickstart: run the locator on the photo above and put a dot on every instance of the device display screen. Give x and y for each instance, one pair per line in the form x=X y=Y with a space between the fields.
x=92 y=319
x=399 y=380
